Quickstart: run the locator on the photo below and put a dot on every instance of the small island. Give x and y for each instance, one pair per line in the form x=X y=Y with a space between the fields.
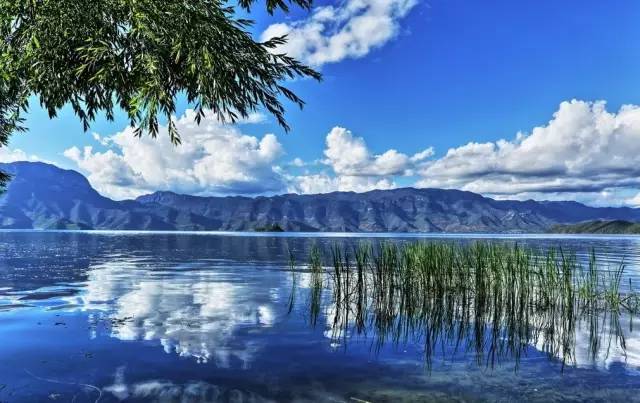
x=597 y=227
x=270 y=228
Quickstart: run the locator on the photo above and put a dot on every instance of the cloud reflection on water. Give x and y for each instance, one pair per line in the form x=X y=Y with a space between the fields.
x=193 y=313
x=167 y=391
x=199 y=311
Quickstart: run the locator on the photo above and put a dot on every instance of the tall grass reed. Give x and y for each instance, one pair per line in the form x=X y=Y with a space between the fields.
x=491 y=300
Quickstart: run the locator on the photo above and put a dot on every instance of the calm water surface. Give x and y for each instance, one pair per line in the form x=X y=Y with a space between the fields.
x=190 y=317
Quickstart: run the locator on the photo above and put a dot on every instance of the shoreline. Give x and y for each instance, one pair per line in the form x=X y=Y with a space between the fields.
x=425 y=235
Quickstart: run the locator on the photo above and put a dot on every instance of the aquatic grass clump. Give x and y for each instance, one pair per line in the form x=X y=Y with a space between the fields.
x=492 y=300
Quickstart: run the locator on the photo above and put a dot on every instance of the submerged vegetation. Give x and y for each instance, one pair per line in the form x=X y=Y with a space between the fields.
x=493 y=301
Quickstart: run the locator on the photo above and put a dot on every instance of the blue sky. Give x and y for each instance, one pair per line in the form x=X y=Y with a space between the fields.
x=451 y=77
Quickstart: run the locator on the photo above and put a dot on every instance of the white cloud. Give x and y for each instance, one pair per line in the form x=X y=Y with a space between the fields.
x=212 y=159
x=583 y=153
x=584 y=149
x=8 y=155
x=349 y=30
x=324 y=183
x=253 y=118
x=297 y=162
x=423 y=155
x=355 y=168
x=633 y=201
x=349 y=156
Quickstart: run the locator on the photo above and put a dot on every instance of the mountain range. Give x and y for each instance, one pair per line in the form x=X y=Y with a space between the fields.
x=43 y=196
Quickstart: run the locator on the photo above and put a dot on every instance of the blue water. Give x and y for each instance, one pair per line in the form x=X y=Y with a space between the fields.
x=204 y=317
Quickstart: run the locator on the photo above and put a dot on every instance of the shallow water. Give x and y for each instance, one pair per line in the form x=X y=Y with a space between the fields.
x=193 y=317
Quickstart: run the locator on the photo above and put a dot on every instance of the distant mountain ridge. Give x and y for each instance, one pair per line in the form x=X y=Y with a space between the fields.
x=43 y=196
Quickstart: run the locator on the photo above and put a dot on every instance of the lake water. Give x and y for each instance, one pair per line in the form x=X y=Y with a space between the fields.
x=204 y=317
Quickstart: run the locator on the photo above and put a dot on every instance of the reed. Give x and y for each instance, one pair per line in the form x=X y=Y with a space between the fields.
x=491 y=300
x=316 y=284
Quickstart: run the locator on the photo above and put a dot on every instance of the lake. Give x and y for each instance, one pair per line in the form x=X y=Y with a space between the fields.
x=207 y=317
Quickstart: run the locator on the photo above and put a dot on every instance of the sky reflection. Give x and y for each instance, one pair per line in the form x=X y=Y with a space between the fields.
x=192 y=313
x=203 y=318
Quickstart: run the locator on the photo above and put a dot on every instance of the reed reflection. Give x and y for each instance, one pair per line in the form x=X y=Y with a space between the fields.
x=491 y=302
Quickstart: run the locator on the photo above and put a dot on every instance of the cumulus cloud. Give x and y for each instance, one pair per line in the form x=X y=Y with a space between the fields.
x=349 y=30
x=297 y=162
x=583 y=153
x=583 y=149
x=349 y=156
x=633 y=201
x=355 y=168
x=8 y=155
x=325 y=183
x=218 y=159
x=213 y=159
